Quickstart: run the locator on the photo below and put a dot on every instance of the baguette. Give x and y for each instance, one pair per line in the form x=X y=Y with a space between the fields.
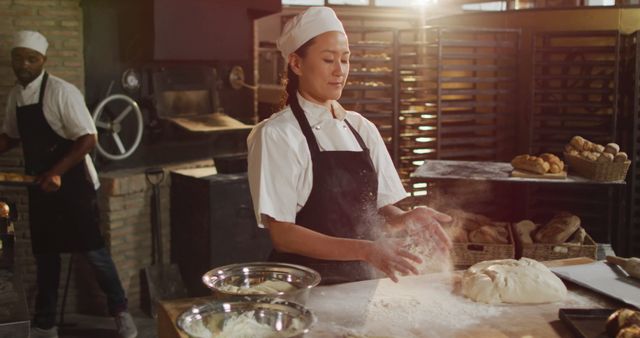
x=531 y=163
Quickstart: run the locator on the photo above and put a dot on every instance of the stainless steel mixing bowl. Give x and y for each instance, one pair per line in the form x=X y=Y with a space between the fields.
x=239 y=280
x=285 y=319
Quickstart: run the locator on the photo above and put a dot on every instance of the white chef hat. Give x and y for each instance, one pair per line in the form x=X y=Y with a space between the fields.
x=32 y=40
x=305 y=26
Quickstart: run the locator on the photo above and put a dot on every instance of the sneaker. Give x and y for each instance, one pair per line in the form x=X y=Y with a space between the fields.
x=126 y=326
x=37 y=332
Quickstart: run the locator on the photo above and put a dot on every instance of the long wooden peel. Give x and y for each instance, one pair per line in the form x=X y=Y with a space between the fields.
x=629 y=265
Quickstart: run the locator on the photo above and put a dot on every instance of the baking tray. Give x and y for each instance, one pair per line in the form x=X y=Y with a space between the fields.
x=586 y=323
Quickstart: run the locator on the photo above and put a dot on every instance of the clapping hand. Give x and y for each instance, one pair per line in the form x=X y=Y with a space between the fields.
x=425 y=224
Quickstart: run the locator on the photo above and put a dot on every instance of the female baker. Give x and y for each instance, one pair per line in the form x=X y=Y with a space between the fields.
x=321 y=178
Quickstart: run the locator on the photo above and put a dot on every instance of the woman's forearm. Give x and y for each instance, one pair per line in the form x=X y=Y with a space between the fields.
x=292 y=238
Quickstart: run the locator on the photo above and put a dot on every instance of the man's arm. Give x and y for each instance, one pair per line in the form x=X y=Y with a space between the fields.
x=51 y=180
x=6 y=143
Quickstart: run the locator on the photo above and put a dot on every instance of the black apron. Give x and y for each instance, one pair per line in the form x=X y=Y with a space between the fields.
x=65 y=220
x=342 y=203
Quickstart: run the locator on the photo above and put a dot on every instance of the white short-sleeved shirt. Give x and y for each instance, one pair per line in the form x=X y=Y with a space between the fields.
x=64 y=109
x=280 y=169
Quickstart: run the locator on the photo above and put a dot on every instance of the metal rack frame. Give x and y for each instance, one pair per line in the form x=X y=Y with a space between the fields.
x=575 y=79
x=371 y=88
x=630 y=116
x=457 y=90
x=575 y=83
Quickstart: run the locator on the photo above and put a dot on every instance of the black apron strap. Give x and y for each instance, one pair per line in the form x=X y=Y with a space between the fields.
x=45 y=77
x=304 y=126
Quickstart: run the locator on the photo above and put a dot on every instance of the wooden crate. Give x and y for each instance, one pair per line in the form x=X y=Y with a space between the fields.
x=467 y=254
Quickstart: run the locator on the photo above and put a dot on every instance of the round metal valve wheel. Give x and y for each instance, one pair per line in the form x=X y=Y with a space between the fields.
x=116 y=142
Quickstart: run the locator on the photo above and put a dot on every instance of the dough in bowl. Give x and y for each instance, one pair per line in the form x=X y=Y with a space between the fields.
x=512 y=281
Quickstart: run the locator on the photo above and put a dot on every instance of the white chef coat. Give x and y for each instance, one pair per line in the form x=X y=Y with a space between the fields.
x=280 y=169
x=63 y=107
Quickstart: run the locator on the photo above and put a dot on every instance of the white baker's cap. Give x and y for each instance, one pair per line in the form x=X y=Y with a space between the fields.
x=305 y=26
x=32 y=40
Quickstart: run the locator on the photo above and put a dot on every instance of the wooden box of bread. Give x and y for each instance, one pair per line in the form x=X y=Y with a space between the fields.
x=595 y=161
x=477 y=238
x=562 y=237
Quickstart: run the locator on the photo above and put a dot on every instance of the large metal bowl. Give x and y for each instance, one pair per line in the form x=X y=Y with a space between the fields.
x=240 y=280
x=268 y=318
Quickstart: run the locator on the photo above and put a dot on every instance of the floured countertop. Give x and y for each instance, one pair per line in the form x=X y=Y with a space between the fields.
x=433 y=306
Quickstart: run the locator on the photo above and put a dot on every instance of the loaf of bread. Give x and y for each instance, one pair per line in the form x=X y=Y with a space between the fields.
x=531 y=163
x=621 y=319
x=558 y=230
x=489 y=234
x=524 y=230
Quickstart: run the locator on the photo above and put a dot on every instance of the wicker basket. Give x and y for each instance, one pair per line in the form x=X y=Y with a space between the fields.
x=597 y=171
x=467 y=254
x=546 y=252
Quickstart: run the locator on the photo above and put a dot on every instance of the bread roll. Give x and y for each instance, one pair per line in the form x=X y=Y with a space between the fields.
x=555 y=163
x=598 y=148
x=632 y=331
x=558 y=230
x=530 y=163
x=568 y=148
x=574 y=152
x=605 y=157
x=524 y=230
x=612 y=148
x=578 y=142
x=489 y=234
x=621 y=319
x=620 y=157
x=588 y=146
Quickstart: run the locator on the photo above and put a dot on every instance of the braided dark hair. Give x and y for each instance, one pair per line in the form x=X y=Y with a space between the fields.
x=291 y=79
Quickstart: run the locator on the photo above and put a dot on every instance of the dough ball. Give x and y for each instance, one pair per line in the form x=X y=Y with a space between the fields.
x=512 y=281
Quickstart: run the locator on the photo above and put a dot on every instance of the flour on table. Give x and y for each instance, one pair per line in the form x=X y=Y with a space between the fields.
x=512 y=281
x=414 y=303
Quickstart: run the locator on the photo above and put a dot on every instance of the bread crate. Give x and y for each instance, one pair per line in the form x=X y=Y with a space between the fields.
x=467 y=254
x=597 y=171
x=547 y=252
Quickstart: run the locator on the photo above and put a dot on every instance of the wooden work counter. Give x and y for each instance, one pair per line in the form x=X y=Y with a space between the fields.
x=418 y=306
